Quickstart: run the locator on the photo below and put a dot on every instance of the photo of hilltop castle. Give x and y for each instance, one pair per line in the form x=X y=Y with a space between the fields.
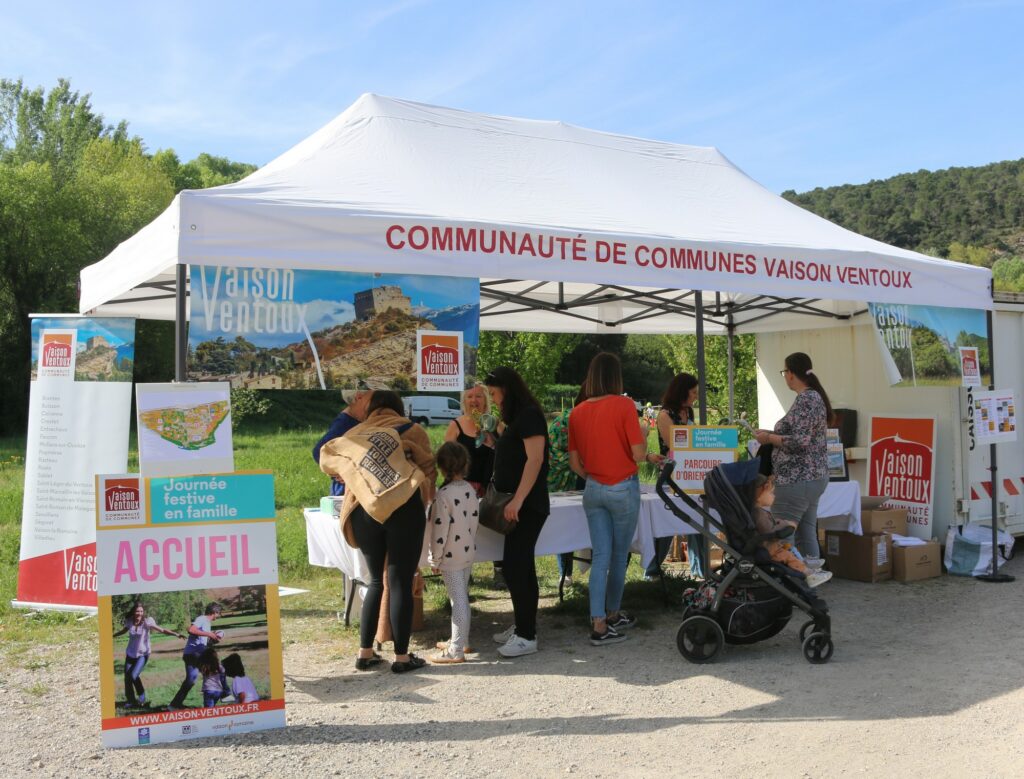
x=106 y=347
x=325 y=329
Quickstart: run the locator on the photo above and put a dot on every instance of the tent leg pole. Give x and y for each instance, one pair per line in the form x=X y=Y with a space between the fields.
x=180 y=323
x=702 y=391
x=732 y=392
x=994 y=576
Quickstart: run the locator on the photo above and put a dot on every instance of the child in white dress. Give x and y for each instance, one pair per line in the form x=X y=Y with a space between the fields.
x=451 y=543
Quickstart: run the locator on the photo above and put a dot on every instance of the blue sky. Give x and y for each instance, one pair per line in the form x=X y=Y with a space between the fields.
x=797 y=94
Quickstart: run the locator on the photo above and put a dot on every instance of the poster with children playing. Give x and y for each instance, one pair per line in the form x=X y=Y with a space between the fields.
x=190 y=638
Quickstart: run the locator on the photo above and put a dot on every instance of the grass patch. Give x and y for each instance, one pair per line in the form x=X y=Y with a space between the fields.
x=282 y=442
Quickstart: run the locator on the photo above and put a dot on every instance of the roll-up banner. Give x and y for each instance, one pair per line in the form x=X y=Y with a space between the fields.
x=189 y=618
x=932 y=346
x=79 y=416
x=279 y=328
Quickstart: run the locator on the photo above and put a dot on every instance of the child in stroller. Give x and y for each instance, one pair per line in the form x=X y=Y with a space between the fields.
x=774 y=530
x=750 y=598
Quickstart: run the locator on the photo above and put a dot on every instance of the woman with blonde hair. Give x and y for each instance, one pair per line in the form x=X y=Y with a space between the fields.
x=466 y=431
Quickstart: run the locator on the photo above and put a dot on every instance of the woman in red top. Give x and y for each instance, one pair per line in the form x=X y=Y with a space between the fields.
x=605 y=445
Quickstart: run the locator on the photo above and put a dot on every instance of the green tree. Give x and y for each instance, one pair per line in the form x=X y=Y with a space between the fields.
x=716 y=349
x=536 y=356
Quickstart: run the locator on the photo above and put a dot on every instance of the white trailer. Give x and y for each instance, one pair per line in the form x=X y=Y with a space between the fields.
x=849 y=364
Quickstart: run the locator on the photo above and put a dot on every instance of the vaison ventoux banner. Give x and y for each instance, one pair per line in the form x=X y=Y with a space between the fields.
x=79 y=415
x=279 y=328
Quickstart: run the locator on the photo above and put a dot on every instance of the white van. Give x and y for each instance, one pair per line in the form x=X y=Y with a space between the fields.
x=431 y=409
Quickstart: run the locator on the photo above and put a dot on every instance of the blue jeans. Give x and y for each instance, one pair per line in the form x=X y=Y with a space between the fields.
x=612 y=511
x=134 y=692
x=191 y=674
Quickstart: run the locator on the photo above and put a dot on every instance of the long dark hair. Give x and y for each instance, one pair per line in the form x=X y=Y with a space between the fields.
x=678 y=391
x=604 y=376
x=799 y=364
x=388 y=399
x=208 y=662
x=517 y=395
x=130 y=614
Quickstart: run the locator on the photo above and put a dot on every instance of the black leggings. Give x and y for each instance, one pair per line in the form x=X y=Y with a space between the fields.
x=520 y=567
x=400 y=540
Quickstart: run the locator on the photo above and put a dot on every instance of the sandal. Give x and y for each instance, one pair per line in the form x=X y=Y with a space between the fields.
x=444 y=645
x=366 y=663
x=401 y=667
x=446 y=656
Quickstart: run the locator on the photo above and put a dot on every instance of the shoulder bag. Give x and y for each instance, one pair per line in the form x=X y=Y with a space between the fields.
x=492 y=510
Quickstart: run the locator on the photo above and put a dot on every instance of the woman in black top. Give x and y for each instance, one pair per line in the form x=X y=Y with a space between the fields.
x=521 y=468
x=677 y=409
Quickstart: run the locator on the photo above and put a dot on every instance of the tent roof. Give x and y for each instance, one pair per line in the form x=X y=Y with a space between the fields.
x=395 y=186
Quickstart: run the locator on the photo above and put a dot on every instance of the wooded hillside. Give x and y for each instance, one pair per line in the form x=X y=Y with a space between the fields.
x=973 y=215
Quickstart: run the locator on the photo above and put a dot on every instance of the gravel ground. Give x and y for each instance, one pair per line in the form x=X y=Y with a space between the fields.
x=925 y=681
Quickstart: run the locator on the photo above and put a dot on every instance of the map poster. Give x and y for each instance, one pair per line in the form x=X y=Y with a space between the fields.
x=184 y=428
x=282 y=328
x=901 y=466
x=79 y=417
x=995 y=416
x=197 y=568
x=698 y=449
x=921 y=345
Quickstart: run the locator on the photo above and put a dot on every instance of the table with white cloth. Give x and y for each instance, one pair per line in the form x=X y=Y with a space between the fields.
x=564 y=531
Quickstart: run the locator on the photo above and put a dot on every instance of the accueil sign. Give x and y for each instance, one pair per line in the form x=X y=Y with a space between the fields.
x=206 y=544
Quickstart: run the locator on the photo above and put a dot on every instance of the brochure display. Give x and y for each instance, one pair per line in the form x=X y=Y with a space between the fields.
x=79 y=415
x=697 y=450
x=901 y=466
x=189 y=624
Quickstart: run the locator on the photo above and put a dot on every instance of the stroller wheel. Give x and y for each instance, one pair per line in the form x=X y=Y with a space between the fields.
x=818 y=648
x=699 y=639
x=805 y=629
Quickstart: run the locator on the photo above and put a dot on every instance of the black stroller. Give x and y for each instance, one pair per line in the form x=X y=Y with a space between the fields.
x=749 y=598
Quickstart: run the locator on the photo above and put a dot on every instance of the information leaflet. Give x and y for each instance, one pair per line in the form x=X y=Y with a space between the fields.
x=189 y=583
x=79 y=414
x=697 y=450
x=995 y=416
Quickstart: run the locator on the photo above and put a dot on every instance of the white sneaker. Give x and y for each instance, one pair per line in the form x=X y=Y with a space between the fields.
x=504 y=636
x=818 y=578
x=516 y=647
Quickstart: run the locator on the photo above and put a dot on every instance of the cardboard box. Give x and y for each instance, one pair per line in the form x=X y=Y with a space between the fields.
x=865 y=558
x=913 y=563
x=878 y=521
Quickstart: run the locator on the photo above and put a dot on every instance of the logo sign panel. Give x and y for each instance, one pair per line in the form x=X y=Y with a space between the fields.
x=901 y=465
x=439 y=364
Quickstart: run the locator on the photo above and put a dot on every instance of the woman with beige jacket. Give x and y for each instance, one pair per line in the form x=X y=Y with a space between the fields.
x=389 y=536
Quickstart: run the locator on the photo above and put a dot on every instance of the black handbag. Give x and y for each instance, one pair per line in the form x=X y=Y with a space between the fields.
x=492 y=510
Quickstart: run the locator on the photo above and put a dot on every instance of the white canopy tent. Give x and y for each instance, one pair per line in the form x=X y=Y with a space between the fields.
x=568 y=229
x=395 y=186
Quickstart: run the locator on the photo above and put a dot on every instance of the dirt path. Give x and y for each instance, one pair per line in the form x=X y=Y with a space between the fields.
x=927 y=680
